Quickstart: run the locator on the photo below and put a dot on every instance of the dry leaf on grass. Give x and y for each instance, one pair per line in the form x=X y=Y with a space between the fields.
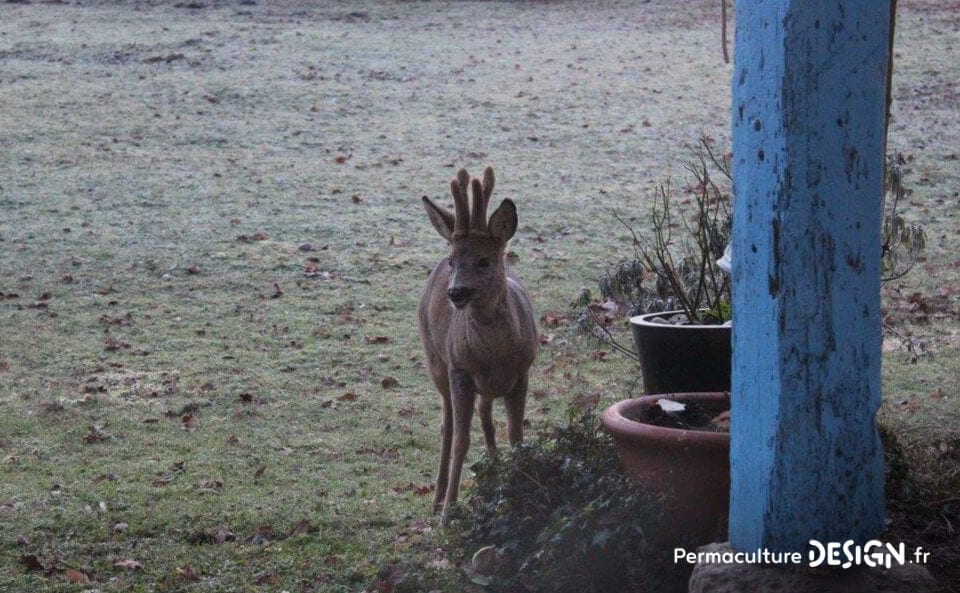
x=77 y=577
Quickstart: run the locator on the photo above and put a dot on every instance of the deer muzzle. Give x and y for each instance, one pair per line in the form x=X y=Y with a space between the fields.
x=460 y=296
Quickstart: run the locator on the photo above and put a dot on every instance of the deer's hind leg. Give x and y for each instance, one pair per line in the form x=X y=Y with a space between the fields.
x=515 y=403
x=485 y=406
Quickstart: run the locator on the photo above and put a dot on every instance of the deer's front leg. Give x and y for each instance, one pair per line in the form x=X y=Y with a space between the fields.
x=443 y=474
x=462 y=397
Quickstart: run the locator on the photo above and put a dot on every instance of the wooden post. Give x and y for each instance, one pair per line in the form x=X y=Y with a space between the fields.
x=809 y=106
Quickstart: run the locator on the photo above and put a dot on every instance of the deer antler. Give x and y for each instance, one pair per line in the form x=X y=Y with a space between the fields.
x=481 y=199
x=470 y=205
x=461 y=207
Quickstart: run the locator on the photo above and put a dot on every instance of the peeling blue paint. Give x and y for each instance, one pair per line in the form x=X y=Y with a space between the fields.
x=808 y=124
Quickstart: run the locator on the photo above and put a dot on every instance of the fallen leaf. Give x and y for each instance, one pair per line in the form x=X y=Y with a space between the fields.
x=389 y=577
x=347 y=397
x=553 y=319
x=186 y=573
x=441 y=564
x=77 y=577
x=112 y=344
x=128 y=563
x=189 y=422
x=312 y=270
x=377 y=340
x=600 y=355
x=389 y=382
x=215 y=486
x=259 y=473
x=263 y=535
x=722 y=421
x=32 y=563
x=216 y=535
x=408 y=411
x=95 y=434
x=302 y=526
x=381 y=452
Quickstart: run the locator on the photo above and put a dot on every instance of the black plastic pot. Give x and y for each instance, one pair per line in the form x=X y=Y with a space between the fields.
x=682 y=358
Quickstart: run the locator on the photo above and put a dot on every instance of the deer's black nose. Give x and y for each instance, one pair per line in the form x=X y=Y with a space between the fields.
x=459 y=296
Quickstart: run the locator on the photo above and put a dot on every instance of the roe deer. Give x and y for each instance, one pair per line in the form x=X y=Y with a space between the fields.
x=478 y=326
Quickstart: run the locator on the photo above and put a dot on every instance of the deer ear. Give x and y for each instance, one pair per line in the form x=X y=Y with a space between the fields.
x=503 y=222
x=442 y=220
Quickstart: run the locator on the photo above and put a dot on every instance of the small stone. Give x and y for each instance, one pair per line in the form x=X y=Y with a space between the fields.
x=485 y=560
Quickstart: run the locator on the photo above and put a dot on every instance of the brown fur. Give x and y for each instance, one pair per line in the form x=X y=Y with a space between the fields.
x=478 y=327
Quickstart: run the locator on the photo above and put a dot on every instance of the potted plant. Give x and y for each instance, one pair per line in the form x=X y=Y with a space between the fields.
x=678 y=447
x=671 y=439
x=676 y=297
x=675 y=292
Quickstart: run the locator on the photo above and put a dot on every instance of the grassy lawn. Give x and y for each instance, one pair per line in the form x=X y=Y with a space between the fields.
x=212 y=246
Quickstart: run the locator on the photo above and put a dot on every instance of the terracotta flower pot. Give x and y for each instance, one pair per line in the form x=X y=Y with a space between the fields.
x=682 y=358
x=689 y=469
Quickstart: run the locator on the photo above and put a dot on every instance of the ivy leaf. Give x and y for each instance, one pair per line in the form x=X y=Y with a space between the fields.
x=601 y=537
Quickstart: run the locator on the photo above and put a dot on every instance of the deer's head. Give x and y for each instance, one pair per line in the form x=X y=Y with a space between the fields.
x=477 y=269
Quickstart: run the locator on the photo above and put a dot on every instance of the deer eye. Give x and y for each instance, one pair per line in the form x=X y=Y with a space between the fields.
x=483 y=263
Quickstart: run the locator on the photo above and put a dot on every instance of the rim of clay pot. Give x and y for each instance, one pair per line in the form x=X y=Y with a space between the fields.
x=615 y=420
x=644 y=321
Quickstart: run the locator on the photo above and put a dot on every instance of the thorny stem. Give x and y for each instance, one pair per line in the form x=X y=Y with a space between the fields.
x=912 y=344
x=606 y=336
x=723 y=31
x=692 y=281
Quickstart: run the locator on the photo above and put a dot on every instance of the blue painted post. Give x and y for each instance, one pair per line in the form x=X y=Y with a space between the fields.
x=808 y=139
